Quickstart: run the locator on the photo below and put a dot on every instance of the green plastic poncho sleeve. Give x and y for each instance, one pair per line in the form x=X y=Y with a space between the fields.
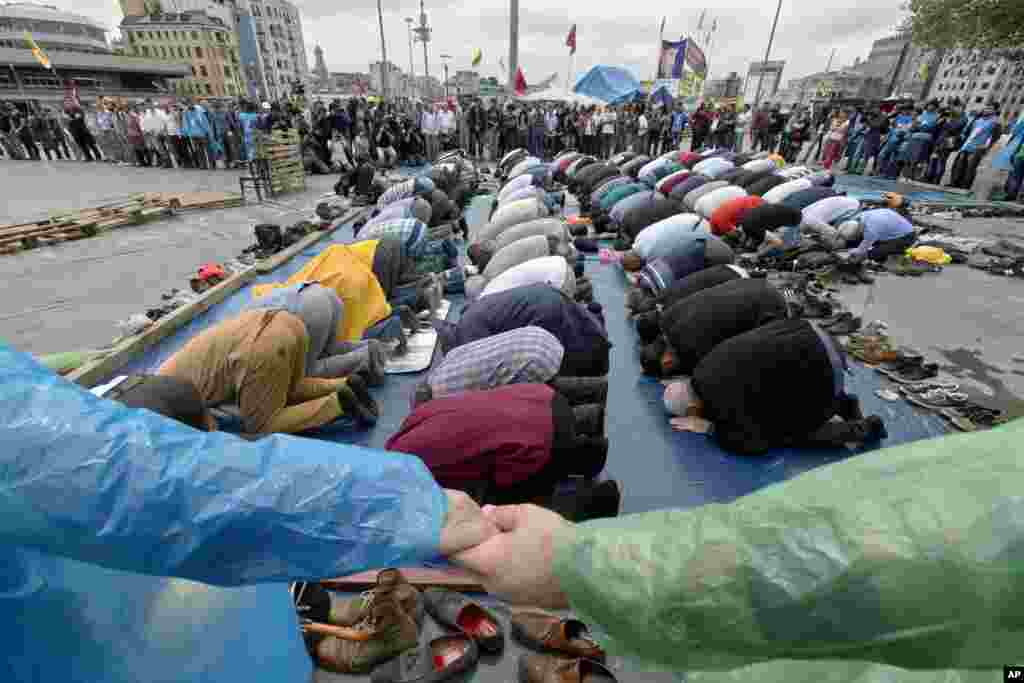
x=910 y=556
x=95 y=481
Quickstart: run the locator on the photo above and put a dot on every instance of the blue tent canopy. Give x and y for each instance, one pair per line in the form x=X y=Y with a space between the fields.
x=611 y=84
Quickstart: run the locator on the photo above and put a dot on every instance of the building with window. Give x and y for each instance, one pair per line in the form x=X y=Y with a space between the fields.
x=976 y=79
x=278 y=53
x=78 y=50
x=267 y=34
x=203 y=42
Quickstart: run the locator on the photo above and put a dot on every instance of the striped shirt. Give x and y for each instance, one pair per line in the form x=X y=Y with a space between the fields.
x=528 y=355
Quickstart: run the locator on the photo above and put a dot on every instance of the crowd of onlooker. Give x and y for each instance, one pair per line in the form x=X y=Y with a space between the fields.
x=914 y=142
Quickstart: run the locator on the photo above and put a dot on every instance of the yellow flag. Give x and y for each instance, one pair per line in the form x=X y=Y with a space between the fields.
x=37 y=51
x=922 y=73
x=478 y=57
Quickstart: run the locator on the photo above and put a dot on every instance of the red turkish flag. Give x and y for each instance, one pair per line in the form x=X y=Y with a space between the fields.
x=570 y=41
x=520 y=82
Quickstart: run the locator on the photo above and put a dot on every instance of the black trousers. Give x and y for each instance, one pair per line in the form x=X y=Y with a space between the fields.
x=883 y=250
x=569 y=456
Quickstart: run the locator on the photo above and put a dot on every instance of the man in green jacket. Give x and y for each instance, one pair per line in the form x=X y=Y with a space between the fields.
x=905 y=557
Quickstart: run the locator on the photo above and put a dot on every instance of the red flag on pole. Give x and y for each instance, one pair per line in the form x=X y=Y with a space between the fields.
x=570 y=41
x=520 y=82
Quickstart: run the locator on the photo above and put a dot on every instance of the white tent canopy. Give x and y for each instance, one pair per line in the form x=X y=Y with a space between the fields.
x=559 y=95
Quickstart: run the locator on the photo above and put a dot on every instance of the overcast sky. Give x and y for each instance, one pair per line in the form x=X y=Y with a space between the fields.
x=616 y=33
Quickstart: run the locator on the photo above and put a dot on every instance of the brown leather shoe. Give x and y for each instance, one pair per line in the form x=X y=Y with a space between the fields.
x=551 y=669
x=389 y=582
x=550 y=633
x=385 y=632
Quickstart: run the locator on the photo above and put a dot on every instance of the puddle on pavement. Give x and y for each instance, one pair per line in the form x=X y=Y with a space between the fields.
x=968 y=364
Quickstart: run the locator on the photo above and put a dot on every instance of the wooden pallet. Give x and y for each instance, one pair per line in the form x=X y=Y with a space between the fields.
x=137 y=209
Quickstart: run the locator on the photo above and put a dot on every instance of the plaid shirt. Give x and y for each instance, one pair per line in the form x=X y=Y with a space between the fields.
x=528 y=355
x=412 y=232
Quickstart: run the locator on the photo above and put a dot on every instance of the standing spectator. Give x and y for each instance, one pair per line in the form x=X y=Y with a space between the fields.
x=726 y=132
x=431 y=129
x=535 y=142
x=341 y=122
x=839 y=128
x=8 y=135
x=233 y=135
x=551 y=125
x=247 y=120
x=607 y=120
x=137 y=136
x=700 y=123
x=23 y=131
x=58 y=133
x=947 y=142
x=106 y=134
x=448 y=124
x=759 y=124
x=642 y=126
x=197 y=128
x=476 y=122
x=775 y=126
x=743 y=122
x=176 y=139
x=152 y=126
x=822 y=129
x=626 y=126
x=679 y=121
x=492 y=129
x=82 y=136
x=42 y=134
x=462 y=125
x=590 y=131
x=215 y=139
x=980 y=133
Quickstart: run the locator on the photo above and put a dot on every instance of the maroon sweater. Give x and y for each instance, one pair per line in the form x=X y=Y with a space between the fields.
x=503 y=435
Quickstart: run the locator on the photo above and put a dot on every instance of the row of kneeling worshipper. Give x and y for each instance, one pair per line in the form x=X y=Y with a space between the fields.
x=516 y=407
x=744 y=371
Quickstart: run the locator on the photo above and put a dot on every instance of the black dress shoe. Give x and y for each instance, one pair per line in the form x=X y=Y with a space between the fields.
x=439 y=660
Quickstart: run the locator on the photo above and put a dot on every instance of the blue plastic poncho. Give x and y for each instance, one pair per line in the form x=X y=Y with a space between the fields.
x=99 y=501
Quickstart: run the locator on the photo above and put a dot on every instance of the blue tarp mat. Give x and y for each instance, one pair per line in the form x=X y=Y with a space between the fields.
x=656 y=467
x=872 y=187
x=609 y=83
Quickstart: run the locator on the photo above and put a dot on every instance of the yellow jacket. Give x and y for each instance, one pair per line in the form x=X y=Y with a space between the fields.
x=348 y=270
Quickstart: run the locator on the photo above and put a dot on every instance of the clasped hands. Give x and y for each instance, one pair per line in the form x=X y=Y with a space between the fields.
x=509 y=549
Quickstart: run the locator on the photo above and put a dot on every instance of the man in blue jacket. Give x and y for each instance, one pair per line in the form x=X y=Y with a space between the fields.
x=136 y=548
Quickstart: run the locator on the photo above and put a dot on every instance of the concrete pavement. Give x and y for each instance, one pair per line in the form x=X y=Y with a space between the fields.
x=70 y=296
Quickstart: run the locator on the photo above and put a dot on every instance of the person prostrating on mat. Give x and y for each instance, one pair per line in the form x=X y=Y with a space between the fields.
x=580 y=329
x=688 y=330
x=323 y=314
x=258 y=362
x=776 y=386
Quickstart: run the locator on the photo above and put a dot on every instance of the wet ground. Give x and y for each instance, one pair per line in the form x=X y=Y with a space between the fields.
x=70 y=296
x=969 y=321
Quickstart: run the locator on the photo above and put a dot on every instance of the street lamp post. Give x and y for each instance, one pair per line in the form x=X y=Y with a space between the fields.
x=767 y=53
x=412 y=72
x=445 y=59
x=383 y=53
